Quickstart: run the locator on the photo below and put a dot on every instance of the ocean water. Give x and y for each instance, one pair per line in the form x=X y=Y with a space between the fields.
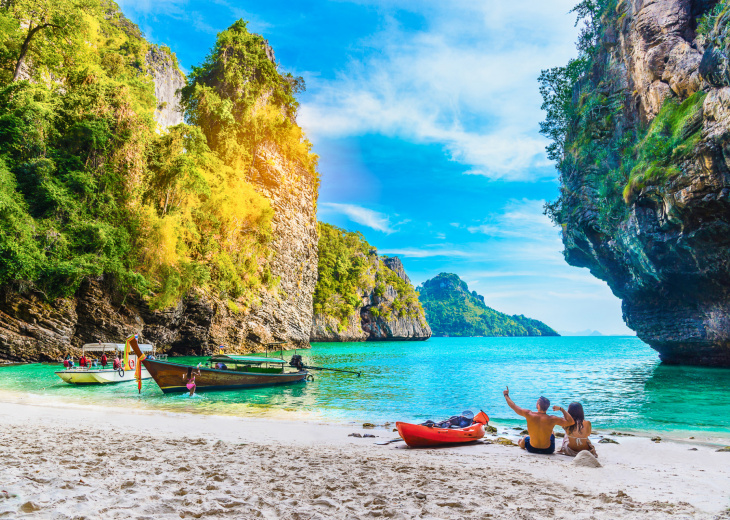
x=619 y=380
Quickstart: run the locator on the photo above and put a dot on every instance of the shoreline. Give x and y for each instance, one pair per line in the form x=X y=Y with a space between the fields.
x=695 y=437
x=47 y=448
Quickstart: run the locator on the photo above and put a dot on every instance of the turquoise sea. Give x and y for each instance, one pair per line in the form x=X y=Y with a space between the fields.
x=619 y=380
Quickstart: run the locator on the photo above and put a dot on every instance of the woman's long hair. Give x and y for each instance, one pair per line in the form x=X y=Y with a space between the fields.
x=576 y=412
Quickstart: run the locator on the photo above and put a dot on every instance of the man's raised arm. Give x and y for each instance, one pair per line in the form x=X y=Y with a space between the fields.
x=567 y=419
x=511 y=403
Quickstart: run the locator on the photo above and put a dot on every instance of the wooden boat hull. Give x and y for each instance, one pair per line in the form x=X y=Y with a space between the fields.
x=417 y=435
x=172 y=377
x=98 y=376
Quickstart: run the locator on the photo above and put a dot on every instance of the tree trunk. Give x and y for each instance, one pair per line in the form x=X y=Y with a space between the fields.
x=26 y=45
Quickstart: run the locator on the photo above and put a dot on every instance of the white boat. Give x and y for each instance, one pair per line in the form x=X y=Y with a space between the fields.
x=99 y=375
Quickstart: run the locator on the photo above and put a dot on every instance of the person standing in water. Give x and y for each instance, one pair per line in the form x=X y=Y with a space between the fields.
x=190 y=379
x=576 y=435
x=540 y=438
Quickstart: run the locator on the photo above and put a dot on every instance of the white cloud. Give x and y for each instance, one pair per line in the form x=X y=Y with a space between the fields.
x=467 y=82
x=415 y=252
x=521 y=218
x=367 y=217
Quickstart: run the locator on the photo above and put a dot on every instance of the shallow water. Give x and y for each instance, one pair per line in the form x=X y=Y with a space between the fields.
x=619 y=380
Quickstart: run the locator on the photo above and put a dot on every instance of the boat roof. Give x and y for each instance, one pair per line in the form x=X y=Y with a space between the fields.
x=246 y=359
x=112 y=347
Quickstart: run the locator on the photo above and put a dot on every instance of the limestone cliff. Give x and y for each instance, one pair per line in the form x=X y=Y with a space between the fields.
x=32 y=328
x=361 y=296
x=35 y=327
x=163 y=68
x=645 y=168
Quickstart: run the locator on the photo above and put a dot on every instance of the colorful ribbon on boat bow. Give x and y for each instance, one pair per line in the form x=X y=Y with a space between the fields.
x=138 y=372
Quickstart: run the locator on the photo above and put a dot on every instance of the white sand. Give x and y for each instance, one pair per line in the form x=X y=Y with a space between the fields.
x=99 y=463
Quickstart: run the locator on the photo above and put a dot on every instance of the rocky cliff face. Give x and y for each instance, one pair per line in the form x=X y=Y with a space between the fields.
x=32 y=328
x=383 y=326
x=645 y=203
x=385 y=306
x=168 y=81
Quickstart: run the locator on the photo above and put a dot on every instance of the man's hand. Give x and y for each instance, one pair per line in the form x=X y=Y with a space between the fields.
x=557 y=408
x=506 y=392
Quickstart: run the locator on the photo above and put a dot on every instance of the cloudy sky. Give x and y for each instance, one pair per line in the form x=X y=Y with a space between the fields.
x=425 y=116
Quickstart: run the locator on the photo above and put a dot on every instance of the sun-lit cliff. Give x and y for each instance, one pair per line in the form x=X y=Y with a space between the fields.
x=116 y=217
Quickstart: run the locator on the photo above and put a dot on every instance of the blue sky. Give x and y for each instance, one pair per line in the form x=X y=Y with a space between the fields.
x=425 y=117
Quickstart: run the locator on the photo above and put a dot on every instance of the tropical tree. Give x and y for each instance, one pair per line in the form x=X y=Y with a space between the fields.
x=44 y=29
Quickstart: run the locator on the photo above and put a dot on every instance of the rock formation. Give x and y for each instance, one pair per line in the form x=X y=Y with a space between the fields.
x=383 y=305
x=645 y=173
x=34 y=328
x=168 y=81
x=452 y=310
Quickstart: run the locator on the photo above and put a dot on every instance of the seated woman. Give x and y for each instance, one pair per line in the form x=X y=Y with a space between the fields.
x=576 y=435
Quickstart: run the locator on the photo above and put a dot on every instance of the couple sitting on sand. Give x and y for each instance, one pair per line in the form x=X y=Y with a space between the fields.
x=540 y=438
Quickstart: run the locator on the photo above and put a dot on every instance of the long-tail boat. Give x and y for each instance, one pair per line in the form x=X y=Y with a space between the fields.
x=231 y=372
x=99 y=375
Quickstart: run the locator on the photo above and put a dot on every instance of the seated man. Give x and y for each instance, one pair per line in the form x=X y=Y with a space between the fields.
x=540 y=438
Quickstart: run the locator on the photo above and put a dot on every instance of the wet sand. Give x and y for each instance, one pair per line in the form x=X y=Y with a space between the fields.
x=78 y=462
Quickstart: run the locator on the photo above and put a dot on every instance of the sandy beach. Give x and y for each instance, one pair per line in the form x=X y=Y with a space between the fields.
x=78 y=462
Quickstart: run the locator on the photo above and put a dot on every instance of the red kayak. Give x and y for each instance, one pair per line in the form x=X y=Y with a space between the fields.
x=417 y=435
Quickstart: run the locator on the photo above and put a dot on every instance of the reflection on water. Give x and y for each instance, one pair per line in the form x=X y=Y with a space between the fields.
x=691 y=397
x=618 y=380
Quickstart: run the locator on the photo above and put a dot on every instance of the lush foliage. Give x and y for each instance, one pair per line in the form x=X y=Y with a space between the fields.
x=90 y=188
x=350 y=269
x=406 y=302
x=582 y=122
x=451 y=310
x=672 y=136
x=708 y=22
x=242 y=103
x=343 y=272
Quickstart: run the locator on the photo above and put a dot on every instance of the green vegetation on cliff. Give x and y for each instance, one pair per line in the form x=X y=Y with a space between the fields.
x=349 y=270
x=587 y=124
x=451 y=310
x=342 y=272
x=88 y=185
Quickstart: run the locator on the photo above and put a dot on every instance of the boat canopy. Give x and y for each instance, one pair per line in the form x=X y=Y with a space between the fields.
x=249 y=360
x=113 y=347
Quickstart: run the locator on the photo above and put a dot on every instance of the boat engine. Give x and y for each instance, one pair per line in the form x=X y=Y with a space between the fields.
x=296 y=362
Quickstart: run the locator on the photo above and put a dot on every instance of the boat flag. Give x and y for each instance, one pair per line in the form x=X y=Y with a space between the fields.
x=138 y=367
x=125 y=360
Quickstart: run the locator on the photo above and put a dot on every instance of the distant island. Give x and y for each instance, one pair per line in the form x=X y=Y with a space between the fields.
x=451 y=310
x=582 y=333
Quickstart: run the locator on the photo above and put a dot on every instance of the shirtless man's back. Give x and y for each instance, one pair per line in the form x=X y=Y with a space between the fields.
x=540 y=425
